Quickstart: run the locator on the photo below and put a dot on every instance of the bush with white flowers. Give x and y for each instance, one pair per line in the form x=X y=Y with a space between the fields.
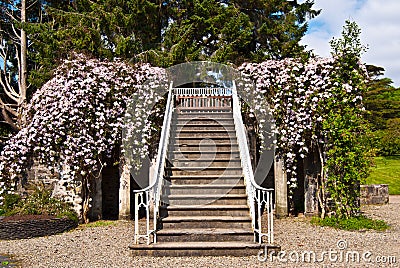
x=77 y=117
x=296 y=91
x=314 y=105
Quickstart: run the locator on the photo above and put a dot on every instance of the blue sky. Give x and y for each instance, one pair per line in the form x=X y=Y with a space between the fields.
x=380 y=30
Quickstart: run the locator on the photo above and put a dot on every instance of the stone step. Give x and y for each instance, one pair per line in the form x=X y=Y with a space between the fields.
x=195 y=171
x=205 y=134
x=203 y=162
x=200 y=127
x=202 y=115
x=200 y=140
x=205 y=235
x=180 y=249
x=206 y=146
x=206 y=179
x=207 y=210
x=203 y=121
x=204 y=110
x=197 y=189
x=213 y=109
x=195 y=222
x=205 y=199
x=191 y=156
x=205 y=157
x=206 y=131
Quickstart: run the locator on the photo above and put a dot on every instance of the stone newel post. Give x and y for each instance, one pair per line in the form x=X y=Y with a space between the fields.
x=281 y=197
x=124 y=192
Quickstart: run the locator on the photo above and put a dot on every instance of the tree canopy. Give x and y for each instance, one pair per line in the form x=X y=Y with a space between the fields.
x=235 y=31
x=382 y=101
x=165 y=33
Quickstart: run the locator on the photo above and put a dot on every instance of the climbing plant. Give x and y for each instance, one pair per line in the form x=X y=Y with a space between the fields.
x=77 y=117
x=345 y=126
x=317 y=105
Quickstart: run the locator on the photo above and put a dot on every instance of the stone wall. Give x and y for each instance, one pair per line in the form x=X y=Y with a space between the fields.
x=374 y=194
x=69 y=189
x=39 y=176
x=62 y=185
x=21 y=229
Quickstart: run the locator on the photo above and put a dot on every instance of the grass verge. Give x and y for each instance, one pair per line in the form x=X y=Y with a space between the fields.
x=351 y=224
x=386 y=171
x=100 y=223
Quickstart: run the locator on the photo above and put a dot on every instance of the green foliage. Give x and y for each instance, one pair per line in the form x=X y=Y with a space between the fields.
x=234 y=31
x=386 y=170
x=382 y=102
x=387 y=141
x=352 y=223
x=9 y=202
x=166 y=33
x=104 y=29
x=38 y=203
x=347 y=149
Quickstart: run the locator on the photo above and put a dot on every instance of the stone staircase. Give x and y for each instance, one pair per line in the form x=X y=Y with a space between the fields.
x=205 y=209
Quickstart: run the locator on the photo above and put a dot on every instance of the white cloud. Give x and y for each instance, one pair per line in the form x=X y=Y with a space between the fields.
x=379 y=22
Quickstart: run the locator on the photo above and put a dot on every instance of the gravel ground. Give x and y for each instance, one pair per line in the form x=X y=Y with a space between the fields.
x=108 y=246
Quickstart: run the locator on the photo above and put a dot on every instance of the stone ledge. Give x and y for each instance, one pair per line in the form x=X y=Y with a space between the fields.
x=374 y=194
x=181 y=249
x=22 y=229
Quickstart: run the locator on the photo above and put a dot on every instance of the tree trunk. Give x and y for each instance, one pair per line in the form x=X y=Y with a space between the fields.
x=23 y=69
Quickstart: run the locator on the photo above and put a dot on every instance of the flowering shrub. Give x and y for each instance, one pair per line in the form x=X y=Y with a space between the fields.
x=77 y=117
x=296 y=92
x=317 y=105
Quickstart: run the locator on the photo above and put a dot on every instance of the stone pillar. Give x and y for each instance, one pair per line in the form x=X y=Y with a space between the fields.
x=281 y=195
x=97 y=203
x=310 y=196
x=151 y=170
x=124 y=193
x=312 y=171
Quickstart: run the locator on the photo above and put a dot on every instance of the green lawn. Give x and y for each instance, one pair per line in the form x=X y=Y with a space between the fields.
x=387 y=171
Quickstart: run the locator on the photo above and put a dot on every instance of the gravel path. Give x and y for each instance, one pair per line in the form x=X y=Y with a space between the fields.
x=108 y=246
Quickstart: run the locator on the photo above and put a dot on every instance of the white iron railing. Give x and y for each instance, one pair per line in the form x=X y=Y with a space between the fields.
x=199 y=98
x=151 y=195
x=203 y=91
x=258 y=198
